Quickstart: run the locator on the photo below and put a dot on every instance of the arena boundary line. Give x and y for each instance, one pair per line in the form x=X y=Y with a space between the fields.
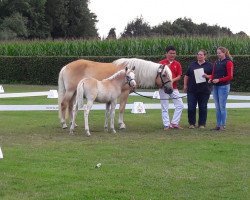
x=102 y=107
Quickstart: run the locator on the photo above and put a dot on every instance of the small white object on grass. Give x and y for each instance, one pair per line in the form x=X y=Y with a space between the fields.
x=98 y=165
x=1 y=154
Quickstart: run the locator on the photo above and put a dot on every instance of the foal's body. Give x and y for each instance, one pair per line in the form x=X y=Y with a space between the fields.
x=105 y=91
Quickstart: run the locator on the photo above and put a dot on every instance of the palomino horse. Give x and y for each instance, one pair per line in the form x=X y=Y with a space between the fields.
x=105 y=91
x=147 y=73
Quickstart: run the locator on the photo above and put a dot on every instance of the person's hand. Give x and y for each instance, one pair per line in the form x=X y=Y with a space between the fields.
x=210 y=81
x=215 y=80
x=205 y=76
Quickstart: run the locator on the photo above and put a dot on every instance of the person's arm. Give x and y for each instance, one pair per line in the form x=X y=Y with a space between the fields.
x=176 y=78
x=185 y=83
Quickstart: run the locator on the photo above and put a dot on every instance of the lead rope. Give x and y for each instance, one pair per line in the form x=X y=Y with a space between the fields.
x=156 y=98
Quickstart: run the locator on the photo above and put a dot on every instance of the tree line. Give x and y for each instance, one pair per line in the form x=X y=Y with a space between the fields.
x=43 y=19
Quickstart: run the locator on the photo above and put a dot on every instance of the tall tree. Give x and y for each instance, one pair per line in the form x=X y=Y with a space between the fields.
x=137 y=28
x=56 y=12
x=37 y=25
x=111 y=34
x=81 y=22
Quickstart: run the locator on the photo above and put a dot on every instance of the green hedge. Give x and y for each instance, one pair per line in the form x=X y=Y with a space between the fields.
x=44 y=70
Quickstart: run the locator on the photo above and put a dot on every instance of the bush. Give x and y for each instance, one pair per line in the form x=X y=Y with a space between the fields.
x=45 y=70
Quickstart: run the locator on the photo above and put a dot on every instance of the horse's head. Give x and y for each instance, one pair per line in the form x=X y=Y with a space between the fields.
x=164 y=79
x=130 y=77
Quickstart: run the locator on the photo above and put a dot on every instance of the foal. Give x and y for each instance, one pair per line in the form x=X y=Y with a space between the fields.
x=105 y=91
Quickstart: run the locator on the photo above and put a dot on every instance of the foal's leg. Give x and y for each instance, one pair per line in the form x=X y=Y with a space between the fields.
x=72 y=127
x=107 y=113
x=123 y=101
x=112 y=116
x=86 y=116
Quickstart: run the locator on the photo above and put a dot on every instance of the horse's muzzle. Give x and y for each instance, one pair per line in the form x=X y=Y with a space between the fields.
x=168 y=90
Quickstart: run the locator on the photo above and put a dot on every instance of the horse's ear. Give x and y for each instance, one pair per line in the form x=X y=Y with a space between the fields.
x=133 y=68
x=126 y=69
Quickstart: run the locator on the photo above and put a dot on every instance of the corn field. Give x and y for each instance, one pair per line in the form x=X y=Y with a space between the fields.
x=123 y=47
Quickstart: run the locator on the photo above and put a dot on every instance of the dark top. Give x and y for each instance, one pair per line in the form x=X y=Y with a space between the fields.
x=223 y=70
x=194 y=87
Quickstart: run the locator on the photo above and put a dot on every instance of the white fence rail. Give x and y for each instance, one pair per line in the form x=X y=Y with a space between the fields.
x=54 y=94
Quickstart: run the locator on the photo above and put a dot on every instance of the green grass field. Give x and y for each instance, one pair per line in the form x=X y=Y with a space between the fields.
x=42 y=161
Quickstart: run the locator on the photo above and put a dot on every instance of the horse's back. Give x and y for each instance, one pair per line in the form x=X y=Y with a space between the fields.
x=79 y=69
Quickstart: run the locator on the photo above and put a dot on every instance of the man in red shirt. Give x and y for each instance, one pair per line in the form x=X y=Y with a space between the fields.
x=176 y=70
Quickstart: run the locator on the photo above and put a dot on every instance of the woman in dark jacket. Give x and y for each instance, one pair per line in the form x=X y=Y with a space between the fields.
x=221 y=76
x=197 y=88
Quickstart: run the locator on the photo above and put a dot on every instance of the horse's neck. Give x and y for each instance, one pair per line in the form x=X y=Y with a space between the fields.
x=119 y=80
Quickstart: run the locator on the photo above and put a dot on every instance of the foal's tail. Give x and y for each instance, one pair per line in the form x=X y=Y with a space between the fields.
x=61 y=91
x=80 y=94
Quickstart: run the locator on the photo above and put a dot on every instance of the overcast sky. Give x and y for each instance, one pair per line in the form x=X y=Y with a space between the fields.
x=233 y=14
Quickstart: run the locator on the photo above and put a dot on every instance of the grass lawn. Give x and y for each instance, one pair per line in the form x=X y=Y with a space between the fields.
x=42 y=161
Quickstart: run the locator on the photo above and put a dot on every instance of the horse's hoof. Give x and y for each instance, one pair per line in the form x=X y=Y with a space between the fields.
x=71 y=132
x=113 y=131
x=122 y=126
x=88 y=133
x=106 y=129
x=64 y=126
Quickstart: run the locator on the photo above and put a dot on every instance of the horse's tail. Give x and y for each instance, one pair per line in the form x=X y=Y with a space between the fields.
x=61 y=91
x=80 y=94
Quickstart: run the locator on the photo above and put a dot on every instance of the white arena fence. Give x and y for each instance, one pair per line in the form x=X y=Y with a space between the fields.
x=54 y=94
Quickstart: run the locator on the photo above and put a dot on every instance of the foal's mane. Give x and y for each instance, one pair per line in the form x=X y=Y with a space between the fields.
x=145 y=71
x=115 y=75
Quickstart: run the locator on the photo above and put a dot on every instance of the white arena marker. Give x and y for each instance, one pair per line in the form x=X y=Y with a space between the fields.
x=1 y=154
x=53 y=94
x=1 y=89
x=138 y=108
x=156 y=95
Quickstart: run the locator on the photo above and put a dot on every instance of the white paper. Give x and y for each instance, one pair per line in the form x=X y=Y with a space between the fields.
x=198 y=73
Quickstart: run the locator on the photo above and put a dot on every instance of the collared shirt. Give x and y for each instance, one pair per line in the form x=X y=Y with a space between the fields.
x=194 y=87
x=175 y=68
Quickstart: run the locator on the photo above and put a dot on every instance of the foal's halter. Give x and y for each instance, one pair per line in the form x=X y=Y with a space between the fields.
x=129 y=79
x=159 y=73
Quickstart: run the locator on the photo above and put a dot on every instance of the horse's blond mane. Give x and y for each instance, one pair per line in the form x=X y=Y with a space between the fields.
x=145 y=71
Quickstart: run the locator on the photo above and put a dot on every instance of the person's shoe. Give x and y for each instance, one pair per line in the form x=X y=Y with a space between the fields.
x=191 y=127
x=222 y=128
x=166 y=128
x=201 y=126
x=217 y=128
x=174 y=126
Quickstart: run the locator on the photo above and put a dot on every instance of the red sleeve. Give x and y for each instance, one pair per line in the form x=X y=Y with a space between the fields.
x=229 y=77
x=179 y=70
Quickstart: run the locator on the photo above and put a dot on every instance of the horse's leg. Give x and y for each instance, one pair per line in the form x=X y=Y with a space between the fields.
x=71 y=108
x=112 y=116
x=64 y=105
x=72 y=127
x=123 y=101
x=86 y=117
x=106 y=116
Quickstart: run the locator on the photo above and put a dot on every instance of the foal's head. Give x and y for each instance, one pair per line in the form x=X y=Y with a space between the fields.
x=130 y=77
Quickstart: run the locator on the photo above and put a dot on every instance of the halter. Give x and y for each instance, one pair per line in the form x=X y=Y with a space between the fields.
x=129 y=79
x=159 y=73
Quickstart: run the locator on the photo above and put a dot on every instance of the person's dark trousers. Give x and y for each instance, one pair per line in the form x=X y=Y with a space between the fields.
x=201 y=99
